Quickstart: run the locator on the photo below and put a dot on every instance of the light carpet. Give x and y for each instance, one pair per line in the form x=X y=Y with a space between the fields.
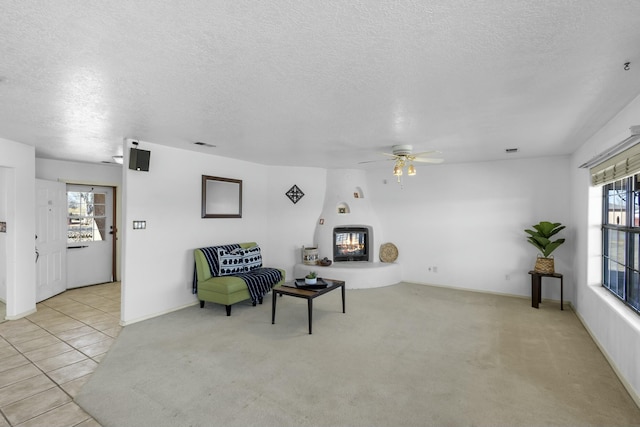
x=403 y=355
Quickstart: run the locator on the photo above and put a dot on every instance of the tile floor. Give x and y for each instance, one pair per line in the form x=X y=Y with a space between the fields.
x=46 y=357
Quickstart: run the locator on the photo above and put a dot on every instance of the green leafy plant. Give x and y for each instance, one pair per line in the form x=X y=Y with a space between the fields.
x=541 y=237
x=311 y=275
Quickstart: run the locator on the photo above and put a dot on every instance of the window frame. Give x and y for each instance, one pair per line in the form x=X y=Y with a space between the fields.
x=630 y=229
x=92 y=217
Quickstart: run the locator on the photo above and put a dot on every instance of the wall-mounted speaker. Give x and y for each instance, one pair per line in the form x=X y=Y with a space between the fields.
x=139 y=159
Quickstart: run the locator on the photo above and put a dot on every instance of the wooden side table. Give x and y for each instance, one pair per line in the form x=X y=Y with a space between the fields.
x=536 y=287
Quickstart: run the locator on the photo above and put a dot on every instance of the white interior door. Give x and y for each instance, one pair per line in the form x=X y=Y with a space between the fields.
x=89 y=235
x=51 y=244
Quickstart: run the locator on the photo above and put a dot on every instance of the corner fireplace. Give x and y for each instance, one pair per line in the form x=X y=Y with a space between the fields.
x=351 y=244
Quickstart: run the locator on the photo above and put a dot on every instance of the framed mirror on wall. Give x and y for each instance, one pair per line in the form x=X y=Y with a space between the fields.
x=221 y=197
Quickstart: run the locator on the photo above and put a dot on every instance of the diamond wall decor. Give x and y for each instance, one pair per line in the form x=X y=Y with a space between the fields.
x=294 y=194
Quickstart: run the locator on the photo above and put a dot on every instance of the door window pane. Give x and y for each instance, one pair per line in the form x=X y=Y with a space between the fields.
x=86 y=216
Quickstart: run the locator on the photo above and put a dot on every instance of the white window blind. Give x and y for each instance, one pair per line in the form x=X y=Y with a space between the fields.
x=609 y=167
x=620 y=166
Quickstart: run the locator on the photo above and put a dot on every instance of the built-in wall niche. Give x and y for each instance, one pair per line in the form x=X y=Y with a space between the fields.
x=342 y=208
x=357 y=193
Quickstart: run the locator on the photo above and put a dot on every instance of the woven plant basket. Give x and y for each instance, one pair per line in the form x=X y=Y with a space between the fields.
x=544 y=265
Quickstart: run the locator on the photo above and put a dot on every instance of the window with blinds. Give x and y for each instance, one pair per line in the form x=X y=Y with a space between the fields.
x=620 y=166
x=618 y=171
x=621 y=240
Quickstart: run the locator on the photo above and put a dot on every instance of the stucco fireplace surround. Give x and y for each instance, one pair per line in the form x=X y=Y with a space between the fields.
x=347 y=205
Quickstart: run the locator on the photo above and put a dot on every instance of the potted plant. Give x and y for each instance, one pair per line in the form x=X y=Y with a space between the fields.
x=311 y=278
x=541 y=239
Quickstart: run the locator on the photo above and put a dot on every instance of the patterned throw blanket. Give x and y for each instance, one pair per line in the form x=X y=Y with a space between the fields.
x=211 y=254
x=259 y=281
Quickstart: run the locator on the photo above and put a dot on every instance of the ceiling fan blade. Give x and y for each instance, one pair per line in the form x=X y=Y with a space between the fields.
x=404 y=155
x=390 y=155
x=428 y=160
x=425 y=153
x=374 y=161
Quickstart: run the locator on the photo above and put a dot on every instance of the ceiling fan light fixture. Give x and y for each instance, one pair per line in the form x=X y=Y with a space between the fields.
x=403 y=156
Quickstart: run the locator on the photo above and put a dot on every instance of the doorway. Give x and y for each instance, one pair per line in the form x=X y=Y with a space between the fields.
x=91 y=235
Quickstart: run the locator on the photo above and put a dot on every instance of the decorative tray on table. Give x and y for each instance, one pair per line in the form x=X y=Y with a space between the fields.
x=320 y=284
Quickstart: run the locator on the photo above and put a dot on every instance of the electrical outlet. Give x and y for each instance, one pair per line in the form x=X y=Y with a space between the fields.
x=506 y=277
x=435 y=269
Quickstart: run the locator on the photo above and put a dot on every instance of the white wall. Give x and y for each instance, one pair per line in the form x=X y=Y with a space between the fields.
x=79 y=173
x=106 y=175
x=290 y=225
x=3 y=236
x=468 y=220
x=476 y=211
x=158 y=261
x=615 y=328
x=18 y=161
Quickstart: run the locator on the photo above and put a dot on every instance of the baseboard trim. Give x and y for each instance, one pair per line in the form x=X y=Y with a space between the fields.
x=151 y=316
x=482 y=291
x=21 y=315
x=635 y=396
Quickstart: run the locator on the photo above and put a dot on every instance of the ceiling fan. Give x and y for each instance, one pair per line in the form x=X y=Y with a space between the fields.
x=403 y=155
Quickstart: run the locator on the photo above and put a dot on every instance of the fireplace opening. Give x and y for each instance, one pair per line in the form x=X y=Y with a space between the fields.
x=351 y=244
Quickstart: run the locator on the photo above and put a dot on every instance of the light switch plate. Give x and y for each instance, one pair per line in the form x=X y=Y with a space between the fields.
x=139 y=225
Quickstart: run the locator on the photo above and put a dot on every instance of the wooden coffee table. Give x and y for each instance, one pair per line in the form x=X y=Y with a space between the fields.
x=291 y=290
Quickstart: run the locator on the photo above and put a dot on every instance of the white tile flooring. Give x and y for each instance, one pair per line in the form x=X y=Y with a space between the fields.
x=46 y=357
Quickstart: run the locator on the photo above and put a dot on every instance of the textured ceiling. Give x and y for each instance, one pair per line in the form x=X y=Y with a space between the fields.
x=317 y=82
